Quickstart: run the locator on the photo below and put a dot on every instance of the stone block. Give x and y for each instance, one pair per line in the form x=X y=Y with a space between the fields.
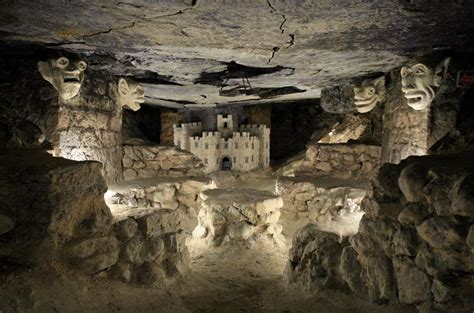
x=126 y=229
x=441 y=233
x=413 y=285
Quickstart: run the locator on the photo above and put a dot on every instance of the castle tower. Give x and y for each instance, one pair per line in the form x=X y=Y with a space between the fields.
x=225 y=125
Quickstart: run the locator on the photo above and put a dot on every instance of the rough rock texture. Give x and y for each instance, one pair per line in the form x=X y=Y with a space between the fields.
x=408 y=132
x=315 y=259
x=339 y=99
x=153 y=161
x=460 y=137
x=160 y=193
x=55 y=202
x=152 y=248
x=322 y=200
x=86 y=127
x=28 y=119
x=405 y=131
x=317 y=44
x=168 y=119
x=89 y=126
x=363 y=128
x=335 y=160
x=62 y=222
x=415 y=252
x=228 y=215
x=353 y=127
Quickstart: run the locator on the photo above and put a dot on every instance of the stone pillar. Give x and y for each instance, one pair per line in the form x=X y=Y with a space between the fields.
x=89 y=128
x=405 y=131
x=169 y=117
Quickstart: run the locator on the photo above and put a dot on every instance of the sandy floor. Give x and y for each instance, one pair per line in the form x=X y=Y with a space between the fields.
x=245 y=277
x=242 y=278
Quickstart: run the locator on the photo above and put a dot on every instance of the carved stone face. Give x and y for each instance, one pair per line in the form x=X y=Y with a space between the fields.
x=419 y=83
x=369 y=94
x=130 y=94
x=64 y=74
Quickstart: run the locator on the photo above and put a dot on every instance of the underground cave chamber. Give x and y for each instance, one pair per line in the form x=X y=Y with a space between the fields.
x=264 y=156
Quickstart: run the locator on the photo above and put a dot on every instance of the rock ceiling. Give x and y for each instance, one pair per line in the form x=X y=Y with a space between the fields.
x=205 y=53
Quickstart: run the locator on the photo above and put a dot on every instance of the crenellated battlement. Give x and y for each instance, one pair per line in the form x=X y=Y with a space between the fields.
x=252 y=127
x=245 y=149
x=211 y=134
x=240 y=134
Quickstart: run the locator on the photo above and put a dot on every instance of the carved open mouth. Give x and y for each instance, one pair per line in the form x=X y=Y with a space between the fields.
x=414 y=97
x=364 y=102
x=71 y=78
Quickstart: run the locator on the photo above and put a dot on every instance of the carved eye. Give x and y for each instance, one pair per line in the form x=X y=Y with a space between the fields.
x=419 y=71
x=82 y=65
x=371 y=91
x=62 y=62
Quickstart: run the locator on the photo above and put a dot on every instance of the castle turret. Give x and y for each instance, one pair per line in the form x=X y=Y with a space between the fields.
x=225 y=125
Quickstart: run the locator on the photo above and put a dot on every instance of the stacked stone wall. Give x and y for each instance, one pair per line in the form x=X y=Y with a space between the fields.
x=415 y=243
x=152 y=161
x=335 y=160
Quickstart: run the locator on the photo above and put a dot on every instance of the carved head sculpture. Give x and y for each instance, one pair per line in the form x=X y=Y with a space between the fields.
x=419 y=83
x=371 y=92
x=64 y=74
x=130 y=93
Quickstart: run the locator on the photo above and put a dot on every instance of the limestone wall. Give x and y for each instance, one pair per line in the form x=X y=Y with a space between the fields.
x=152 y=161
x=408 y=132
x=168 y=193
x=335 y=160
x=405 y=131
x=321 y=200
x=152 y=248
x=415 y=243
x=89 y=128
x=86 y=127
x=169 y=118
x=62 y=222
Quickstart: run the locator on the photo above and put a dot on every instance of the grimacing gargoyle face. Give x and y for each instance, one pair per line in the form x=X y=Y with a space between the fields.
x=130 y=94
x=419 y=83
x=64 y=74
x=369 y=94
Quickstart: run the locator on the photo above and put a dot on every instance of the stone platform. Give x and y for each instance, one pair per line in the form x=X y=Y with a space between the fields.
x=228 y=215
x=321 y=199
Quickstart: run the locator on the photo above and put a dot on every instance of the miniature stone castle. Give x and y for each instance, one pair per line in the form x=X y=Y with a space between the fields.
x=226 y=149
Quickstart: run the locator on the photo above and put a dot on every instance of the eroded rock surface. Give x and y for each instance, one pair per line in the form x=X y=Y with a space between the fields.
x=141 y=161
x=322 y=199
x=228 y=215
x=61 y=222
x=334 y=160
x=409 y=249
x=53 y=201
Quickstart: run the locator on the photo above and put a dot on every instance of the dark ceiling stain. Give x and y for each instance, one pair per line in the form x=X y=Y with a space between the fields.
x=235 y=70
x=263 y=93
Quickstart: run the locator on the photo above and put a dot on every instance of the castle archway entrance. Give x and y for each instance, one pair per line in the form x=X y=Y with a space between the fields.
x=226 y=164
